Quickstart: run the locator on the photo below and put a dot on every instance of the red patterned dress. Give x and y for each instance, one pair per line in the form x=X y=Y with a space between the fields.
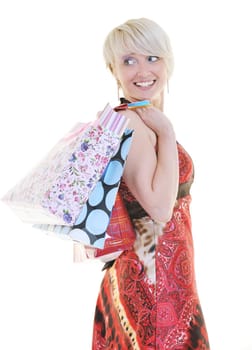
x=148 y=298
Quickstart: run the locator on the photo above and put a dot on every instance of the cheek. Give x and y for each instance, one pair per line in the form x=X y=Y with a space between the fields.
x=161 y=70
x=125 y=76
x=163 y=77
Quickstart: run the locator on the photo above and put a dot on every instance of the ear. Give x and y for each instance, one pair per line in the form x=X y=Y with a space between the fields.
x=111 y=68
x=113 y=71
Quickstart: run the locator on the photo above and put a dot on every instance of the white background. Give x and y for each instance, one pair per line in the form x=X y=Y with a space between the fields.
x=52 y=75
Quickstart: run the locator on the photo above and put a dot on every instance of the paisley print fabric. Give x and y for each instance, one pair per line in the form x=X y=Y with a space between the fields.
x=148 y=298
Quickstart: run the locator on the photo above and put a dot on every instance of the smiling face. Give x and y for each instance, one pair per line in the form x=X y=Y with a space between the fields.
x=139 y=54
x=141 y=77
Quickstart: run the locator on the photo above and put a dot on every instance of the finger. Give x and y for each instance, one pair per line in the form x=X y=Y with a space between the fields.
x=141 y=110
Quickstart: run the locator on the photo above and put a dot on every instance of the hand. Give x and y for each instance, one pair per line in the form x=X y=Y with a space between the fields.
x=155 y=120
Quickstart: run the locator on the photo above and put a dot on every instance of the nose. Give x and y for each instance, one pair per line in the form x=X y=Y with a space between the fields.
x=143 y=68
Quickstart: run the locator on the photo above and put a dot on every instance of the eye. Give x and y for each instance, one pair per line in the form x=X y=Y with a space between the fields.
x=128 y=61
x=153 y=58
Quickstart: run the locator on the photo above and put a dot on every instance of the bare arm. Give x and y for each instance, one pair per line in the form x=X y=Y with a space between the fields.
x=152 y=171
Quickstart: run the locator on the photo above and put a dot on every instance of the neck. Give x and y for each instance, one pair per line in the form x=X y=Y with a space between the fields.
x=159 y=102
x=156 y=102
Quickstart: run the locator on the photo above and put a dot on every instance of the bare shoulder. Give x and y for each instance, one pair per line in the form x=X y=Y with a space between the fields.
x=141 y=131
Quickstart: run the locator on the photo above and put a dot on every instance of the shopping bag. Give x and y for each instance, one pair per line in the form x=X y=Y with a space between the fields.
x=56 y=190
x=100 y=225
x=120 y=236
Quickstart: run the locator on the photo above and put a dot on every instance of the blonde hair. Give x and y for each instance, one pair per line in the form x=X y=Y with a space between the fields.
x=140 y=36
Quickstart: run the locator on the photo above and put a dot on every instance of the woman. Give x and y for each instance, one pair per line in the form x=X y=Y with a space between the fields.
x=148 y=297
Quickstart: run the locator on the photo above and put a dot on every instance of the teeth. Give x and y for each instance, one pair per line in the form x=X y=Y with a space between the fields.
x=145 y=83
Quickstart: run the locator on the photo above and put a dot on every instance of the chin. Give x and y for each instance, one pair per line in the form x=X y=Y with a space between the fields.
x=146 y=97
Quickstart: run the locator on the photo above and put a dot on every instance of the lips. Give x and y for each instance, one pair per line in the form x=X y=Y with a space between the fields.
x=145 y=83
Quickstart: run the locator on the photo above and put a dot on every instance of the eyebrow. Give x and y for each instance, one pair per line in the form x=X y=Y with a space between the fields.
x=129 y=54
